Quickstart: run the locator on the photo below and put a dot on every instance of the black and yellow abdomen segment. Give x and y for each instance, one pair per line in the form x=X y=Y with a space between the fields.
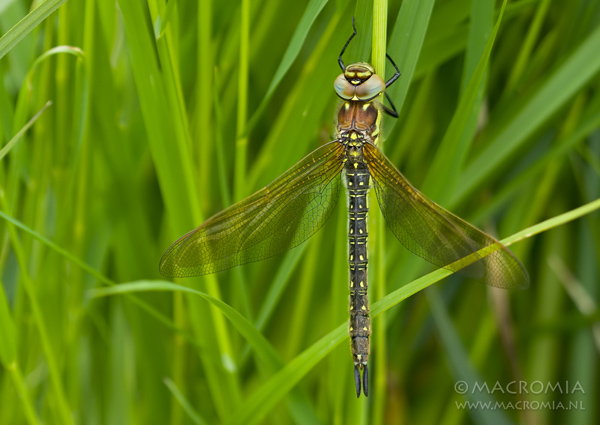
x=358 y=180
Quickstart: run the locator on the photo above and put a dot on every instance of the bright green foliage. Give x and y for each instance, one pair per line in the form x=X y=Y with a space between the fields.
x=143 y=138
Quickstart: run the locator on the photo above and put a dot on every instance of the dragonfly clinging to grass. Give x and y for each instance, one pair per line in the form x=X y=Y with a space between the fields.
x=293 y=207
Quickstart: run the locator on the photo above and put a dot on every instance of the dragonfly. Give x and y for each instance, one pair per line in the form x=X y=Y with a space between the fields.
x=294 y=206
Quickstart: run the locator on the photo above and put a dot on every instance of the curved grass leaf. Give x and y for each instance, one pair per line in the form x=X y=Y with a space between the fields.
x=263 y=349
x=265 y=398
x=27 y=24
x=261 y=346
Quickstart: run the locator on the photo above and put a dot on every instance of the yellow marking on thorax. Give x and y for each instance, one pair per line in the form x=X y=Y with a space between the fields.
x=347 y=105
x=377 y=127
x=366 y=106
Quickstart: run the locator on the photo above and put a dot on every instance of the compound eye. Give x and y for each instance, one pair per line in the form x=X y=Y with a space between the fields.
x=370 y=88
x=343 y=88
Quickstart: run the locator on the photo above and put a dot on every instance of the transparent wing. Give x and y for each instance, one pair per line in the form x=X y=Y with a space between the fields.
x=437 y=235
x=279 y=217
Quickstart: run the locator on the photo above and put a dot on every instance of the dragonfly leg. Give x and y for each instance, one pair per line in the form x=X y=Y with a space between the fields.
x=396 y=74
x=340 y=60
x=391 y=112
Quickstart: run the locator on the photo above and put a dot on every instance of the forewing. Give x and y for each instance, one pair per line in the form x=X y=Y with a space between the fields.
x=279 y=217
x=436 y=234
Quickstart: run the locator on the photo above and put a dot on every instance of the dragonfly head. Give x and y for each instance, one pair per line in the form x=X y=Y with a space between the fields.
x=359 y=82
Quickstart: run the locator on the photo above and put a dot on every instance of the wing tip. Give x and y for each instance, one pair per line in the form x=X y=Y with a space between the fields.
x=166 y=268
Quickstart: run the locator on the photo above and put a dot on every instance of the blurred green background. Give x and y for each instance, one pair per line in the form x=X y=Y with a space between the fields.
x=163 y=113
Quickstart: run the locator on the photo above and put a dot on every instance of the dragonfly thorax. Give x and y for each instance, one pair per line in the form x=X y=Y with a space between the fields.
x=357 y=123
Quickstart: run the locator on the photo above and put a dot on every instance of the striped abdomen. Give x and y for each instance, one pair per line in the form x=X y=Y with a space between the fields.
x=359 y=182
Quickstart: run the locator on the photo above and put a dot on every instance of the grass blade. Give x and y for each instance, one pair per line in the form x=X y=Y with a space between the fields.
x=308 y=18
x=27 y=24
x=456 y=143
x=576 y=71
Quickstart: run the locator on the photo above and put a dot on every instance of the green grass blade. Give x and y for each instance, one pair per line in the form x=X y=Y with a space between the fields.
x=23 y=391
x=93 y=272
x=187 y=406
x=6 y=149
x=258 y=342
x=525 y=53
x=57 y=385
x=27 y=24
x=241 y=142
x=377 y=240
x=406 y=44
x=457 y=140
x=8 y=336
x=558 y=151
x=308 y=18
x=459 y=361
x=576 y=71
x=277 y=287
